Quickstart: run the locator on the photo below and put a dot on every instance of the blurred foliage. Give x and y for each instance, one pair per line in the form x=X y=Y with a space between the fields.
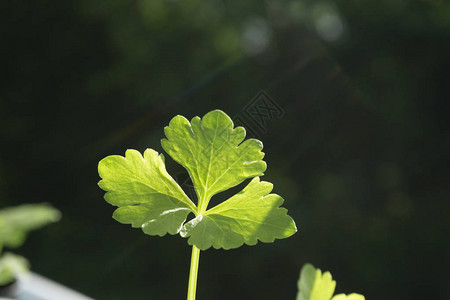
x=11 y=266
x=363 y=165
x=15 y=223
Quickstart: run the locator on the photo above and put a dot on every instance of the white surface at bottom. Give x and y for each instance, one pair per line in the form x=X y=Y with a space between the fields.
x=36 y=287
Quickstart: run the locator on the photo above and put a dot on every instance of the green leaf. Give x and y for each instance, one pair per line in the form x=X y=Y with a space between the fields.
x=11 y=266
x=246 y=217
x=147 y=196
x=217 y=158
x=349 y=297
x=313 y=285
x=17 y=221
x=213 y=153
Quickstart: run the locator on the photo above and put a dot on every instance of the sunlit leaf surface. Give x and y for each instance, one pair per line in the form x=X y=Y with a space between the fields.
x=147 y=196
x=213 y=152
x=349 y=297
x=251 y=215
x=217 y=158
x=315 y=285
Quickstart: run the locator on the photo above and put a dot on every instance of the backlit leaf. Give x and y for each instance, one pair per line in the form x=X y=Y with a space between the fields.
x=217 y=158
x=213 y=152
x=313 y=285
x=251 y=215
x=147 y=196
x=349 y=297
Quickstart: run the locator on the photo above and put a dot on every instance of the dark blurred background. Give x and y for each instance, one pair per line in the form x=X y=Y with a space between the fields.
x=359 y=149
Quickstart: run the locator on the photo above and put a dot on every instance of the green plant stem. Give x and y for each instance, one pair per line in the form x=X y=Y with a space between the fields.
x=192 y=287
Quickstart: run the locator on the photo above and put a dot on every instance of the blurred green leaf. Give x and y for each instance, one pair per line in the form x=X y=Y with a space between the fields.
x=16 y=222
x=12 y=265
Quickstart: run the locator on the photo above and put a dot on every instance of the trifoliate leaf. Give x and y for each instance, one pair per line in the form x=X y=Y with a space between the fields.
x=217 y=158
x=251 y=215
x=17 y=221
x=147 y=196
x=313 y=285
x=213 y=153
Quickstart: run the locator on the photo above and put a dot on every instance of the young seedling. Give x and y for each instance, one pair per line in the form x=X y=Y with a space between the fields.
x=313 y=285
x=217 y=158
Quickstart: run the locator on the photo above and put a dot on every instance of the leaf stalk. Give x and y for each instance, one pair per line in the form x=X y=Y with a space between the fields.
x=192 y=287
